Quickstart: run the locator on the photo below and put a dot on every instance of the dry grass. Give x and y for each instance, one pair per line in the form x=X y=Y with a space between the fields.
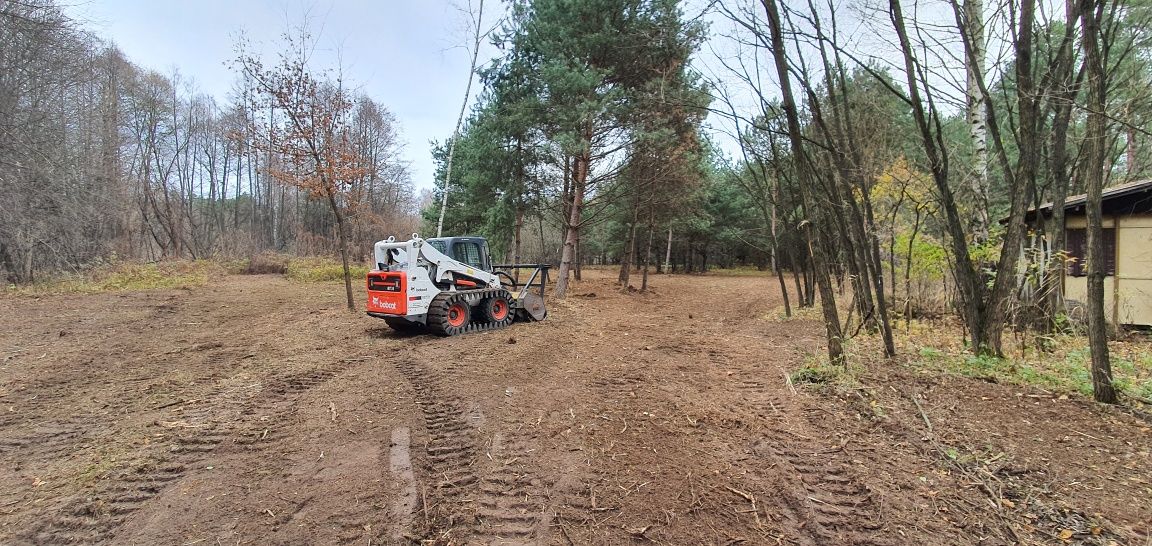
x=127 y=276
x=186 y=274
x=746 y=271
x=321 y=269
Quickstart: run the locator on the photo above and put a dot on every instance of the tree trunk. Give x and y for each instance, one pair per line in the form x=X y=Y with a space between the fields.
x=783 y=290
x=1019 y=181
x=775 y=261
x=343 y=249
x=908 y=269
x=477 y=37
x=578 y=265
x=1094 y=137
x=1068 y=80
x=516 y=232
x=629 y=249
x=800 y=279
x=969 y=284
x=977 y=121
x=647 y=258
x=572 y=233
x=819 y=259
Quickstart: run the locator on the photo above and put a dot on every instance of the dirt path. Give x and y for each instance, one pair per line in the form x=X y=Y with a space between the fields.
x=256 y=411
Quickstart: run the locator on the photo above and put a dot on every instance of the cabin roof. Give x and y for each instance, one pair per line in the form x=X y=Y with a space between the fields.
x=1128 y=198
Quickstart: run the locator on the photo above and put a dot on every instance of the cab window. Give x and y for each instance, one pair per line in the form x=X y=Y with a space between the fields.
x=469 y=253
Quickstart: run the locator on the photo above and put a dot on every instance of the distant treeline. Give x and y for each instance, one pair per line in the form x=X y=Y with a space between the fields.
x=101 y=159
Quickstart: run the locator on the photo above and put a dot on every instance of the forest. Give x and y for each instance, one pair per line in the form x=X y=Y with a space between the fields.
x=817 y=272
x=852 y=148
x=104 y=160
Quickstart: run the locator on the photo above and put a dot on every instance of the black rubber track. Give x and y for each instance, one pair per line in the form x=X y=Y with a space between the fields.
x=438 y=311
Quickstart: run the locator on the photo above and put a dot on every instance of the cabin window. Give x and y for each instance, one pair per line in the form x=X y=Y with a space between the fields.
x=1077 y=248
x=469 y=253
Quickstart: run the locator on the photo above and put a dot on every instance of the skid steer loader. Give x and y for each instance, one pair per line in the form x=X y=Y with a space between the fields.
x=449 y=286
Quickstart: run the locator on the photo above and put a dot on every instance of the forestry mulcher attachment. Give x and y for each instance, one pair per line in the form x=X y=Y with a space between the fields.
x=449 y=286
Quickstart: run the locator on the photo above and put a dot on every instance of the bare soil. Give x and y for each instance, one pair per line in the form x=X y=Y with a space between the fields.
x=257 y=411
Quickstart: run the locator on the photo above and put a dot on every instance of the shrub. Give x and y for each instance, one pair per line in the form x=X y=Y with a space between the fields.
x=267 y=263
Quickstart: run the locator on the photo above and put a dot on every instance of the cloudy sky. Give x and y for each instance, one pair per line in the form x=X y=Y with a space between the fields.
x=407 y=55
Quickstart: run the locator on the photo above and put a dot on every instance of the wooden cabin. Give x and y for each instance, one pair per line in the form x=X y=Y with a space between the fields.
x=1127 y=225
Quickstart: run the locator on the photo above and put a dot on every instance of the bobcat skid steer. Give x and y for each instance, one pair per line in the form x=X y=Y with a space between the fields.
x=448 y=286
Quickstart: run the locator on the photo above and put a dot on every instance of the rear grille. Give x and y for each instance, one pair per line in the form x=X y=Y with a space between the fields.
x=384 y=284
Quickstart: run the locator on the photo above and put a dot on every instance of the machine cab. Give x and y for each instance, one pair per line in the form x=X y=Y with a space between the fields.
x=469 y=250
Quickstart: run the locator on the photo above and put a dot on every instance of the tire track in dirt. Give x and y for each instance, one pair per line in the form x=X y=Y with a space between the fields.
x=790 y=477
x=28 y=403
x=94 y=519
x=833 y=506
x=767 y=407
x=50 y=439
x=624 y=384
x=400 y=465
x=201 y=430
x=821 y=497
x=450 y=447
x=496 y=495
x=507 y=512
x=31 y=432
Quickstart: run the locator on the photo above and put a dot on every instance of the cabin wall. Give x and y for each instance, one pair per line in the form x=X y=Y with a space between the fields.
x=1128 y=294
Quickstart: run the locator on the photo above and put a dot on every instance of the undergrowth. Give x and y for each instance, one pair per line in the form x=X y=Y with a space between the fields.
x=818 y=371
x=317 y=269
x=821 y=373
x=299 y=268
x=843 y=382
x=168 y=274
x=777 y=314
x=742 y=271
x=127 y=276
x=1063 y=369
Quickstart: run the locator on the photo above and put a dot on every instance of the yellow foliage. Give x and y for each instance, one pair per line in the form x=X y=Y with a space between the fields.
x=899 y=180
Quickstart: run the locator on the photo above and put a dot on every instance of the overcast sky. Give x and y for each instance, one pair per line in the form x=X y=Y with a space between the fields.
x=406 y=55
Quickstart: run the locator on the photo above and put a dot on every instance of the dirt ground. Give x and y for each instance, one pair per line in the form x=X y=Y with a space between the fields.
x=257 y=411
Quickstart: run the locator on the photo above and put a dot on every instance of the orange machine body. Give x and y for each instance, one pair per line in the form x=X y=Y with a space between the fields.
x=388 y=293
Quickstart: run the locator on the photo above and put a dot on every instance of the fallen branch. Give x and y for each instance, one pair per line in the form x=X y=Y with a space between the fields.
x=178 y=424
x=978 y=478
x=747 y=496
x=750 y=498
x=170 y=404
x=424 y=502
x=639 y=531
x=1138 y=398
x=563 y=530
